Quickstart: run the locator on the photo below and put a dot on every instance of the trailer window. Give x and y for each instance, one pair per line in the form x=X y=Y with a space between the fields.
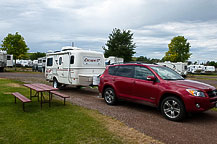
x=60 y=60
x=72 y=60
x=8 y=57
x=49 y=61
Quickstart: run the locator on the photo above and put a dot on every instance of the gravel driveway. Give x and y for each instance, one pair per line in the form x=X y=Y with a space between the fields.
x=198 y=128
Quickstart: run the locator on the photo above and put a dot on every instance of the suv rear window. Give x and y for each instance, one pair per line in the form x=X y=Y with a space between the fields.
x=125 y=71
x=112 y=70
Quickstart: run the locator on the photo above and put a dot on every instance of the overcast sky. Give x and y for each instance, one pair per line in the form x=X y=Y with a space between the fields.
x=51 y=24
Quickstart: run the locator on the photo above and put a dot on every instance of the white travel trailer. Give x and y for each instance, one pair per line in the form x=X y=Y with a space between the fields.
x=41 y=64
x=195 y=68
x=3 y=60
x=10 y=61
x=35 y=65
x=24 y=63
x=74 y=66
x=113 y=60
x=179 y=67
x=208 y=69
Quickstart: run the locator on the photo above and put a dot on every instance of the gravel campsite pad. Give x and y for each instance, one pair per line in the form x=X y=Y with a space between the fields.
x=197 y=128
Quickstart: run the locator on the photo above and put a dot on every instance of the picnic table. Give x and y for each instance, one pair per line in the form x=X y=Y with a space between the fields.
x=40 y=89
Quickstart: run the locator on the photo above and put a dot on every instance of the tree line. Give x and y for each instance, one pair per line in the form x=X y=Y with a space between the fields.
x=120 y=44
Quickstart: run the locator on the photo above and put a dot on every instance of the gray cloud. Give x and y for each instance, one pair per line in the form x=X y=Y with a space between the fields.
x=52 y=24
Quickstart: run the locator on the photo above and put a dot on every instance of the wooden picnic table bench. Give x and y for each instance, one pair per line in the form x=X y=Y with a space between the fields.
x=60 y=95
x=40 y=89
x=21 y=98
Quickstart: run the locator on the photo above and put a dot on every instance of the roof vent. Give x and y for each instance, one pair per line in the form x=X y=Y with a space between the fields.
x=56 y=51
x=69 y=48
x=50 y=51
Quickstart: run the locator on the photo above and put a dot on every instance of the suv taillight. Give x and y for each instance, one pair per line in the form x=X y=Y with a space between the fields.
x=102 y=76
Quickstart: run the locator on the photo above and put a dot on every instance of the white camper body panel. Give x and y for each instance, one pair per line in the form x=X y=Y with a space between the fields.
x=41 y=64
x=113 y=60
x=195 y=68
x=75 y=67
x=9 y=60
x=3 y=60
x=179 y=67
x=26 y=63
x=208 y=69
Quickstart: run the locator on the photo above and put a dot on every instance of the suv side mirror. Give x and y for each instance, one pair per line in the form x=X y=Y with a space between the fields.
x=151 y=78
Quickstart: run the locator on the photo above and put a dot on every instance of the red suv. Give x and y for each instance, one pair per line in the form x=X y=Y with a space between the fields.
x=156 y=85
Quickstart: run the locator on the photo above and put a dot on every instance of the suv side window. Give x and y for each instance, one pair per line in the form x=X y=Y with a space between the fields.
x=125 y=71
x=112 y=70
x=142 y=73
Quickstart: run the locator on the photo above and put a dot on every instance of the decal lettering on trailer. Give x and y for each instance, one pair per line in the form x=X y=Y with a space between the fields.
x=91 y=60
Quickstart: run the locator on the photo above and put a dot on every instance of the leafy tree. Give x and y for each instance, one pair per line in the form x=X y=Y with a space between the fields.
x=142 y=59
x=15 y=44
x=190 y=62
x=212 y=63
x=178 y=50
x=120 y=44
x=147 y=60
x=35 y=56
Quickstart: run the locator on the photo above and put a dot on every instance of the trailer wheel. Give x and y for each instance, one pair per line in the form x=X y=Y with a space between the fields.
x=56 y=84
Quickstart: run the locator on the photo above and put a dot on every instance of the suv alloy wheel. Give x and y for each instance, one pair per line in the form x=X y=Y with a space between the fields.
x=173 y=109
x=109 y=96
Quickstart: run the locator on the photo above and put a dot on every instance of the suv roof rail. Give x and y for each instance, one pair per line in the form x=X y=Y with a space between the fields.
x=138 y=62
x=134 y=62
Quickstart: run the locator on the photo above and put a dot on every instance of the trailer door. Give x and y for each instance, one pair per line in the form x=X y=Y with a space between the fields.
x=63 y=68
x=60 y=69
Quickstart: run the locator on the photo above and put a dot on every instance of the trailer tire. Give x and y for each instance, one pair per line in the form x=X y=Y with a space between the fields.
x=56 y=84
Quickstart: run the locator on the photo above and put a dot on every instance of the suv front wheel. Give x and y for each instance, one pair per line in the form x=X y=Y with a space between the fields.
x=109 y=96
x=173 y=109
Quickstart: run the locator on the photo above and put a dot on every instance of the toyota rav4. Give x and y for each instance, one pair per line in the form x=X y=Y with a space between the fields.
x=156 y=85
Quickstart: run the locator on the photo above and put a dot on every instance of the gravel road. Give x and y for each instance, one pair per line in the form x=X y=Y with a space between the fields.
x=198 y=128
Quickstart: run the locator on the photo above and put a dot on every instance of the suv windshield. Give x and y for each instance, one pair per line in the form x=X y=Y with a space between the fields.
x=167 y=73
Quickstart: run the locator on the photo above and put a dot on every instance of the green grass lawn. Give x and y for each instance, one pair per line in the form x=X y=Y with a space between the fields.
x=57 y=124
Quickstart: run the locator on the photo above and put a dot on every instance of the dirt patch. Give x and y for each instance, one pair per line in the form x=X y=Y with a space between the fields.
x=13 y=85
x=128 y=135
x=2 y=78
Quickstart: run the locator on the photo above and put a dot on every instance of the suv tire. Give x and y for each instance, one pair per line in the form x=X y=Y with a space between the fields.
x=109 y=96
x=173 y=109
